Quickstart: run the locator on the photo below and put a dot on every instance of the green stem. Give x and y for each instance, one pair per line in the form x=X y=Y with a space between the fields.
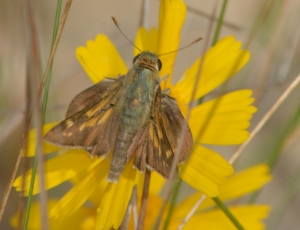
x=27 y=211
x=44 y=106
x=219 y=24
x=47 y=86
x=172 y=205
x=226 y=211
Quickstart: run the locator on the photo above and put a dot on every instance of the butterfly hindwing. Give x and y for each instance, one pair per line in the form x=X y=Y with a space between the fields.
x=91 y=119
x=156 y=145
x=174 y=124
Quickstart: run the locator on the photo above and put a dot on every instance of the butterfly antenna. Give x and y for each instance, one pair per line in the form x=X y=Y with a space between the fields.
x=117 y=25
x=195 y=41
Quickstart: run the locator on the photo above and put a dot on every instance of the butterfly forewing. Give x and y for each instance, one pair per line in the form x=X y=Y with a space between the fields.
x=94 y=95
x=92 y=119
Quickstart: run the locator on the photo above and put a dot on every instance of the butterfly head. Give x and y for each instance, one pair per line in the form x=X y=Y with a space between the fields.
x=147 y=60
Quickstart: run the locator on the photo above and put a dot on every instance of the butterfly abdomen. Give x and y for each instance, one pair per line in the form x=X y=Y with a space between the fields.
x=132 y=120
x=119 y=159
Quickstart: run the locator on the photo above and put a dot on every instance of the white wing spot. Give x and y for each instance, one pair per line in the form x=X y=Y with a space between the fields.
x=149 y=168
x=69 y=123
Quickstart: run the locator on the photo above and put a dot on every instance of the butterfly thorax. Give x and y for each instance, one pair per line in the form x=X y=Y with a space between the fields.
x=147 y=60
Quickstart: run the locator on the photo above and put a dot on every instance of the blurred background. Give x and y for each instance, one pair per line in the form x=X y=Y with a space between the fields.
x=269 y=28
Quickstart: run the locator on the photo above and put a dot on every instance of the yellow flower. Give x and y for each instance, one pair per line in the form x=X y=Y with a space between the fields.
x=205 y=171
x=237 y=186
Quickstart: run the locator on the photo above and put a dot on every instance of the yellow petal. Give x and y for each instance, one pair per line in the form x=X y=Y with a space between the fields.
x=245 y=182
x=206 y=170
x=221 y=62
x=249 y=216
x=238 y=185
x=74 y=222
x=115 y=199
x=156 y=183
x=223 y=120
x=47 y=147
x=81 y=191
x=100 y=59
x=96 y=196
x=58 y=170
x=146 y=41
x=171 y=18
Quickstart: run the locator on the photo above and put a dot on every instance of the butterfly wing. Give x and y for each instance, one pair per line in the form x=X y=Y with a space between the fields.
x=174 y=123
x=156 y=145
x=93 y=95
x=91 y=119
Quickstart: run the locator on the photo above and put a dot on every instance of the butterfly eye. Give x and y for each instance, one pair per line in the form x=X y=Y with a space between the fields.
x=135 y=58
x=159 y=64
